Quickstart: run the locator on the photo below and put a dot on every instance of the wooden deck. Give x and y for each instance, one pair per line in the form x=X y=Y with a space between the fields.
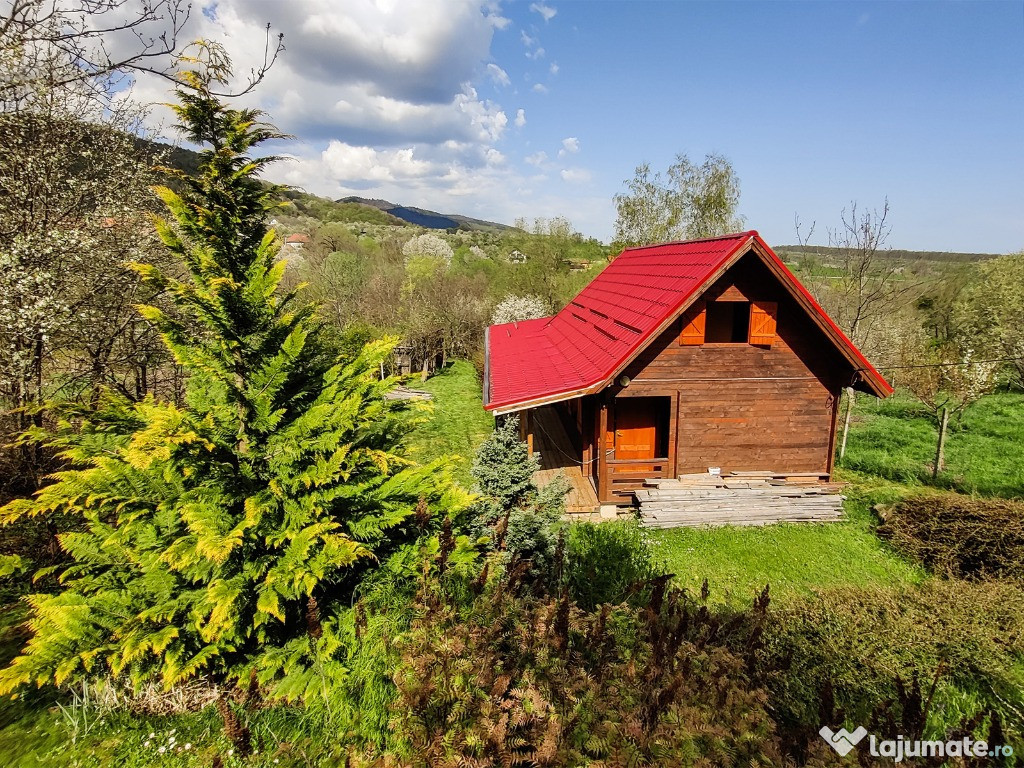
x=557 y=456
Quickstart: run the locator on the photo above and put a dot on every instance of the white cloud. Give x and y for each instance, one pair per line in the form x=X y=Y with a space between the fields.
x=544 y=10
x=348 y=164
x=377 y=73
x=536 y=53
x=570 y=146
x=553 y=69
x=498 y=75
x=407 y=50
x=575 y=175
x=381 y=97
x=486 y=117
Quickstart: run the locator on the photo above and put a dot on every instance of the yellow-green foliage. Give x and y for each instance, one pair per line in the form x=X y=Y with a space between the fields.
x=219 y=536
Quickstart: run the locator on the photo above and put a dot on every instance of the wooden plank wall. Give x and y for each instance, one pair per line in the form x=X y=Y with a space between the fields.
x=743 y=407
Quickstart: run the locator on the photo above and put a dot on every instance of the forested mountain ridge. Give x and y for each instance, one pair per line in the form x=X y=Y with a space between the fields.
x=426 y=218
x=354 y=209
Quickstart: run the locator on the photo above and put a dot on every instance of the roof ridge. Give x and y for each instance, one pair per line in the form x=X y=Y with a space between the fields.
x=731 y=236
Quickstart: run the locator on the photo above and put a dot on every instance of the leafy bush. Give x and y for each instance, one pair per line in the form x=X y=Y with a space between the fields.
x=958 y=536
x=934 y=658
x=607 y=561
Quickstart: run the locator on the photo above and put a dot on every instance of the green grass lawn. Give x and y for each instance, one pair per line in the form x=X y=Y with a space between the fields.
x=890 y=446
x=792 y=558
x=896 y=439
x=457 y=423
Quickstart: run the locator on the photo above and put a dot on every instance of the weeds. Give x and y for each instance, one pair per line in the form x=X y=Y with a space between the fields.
x=957 y=536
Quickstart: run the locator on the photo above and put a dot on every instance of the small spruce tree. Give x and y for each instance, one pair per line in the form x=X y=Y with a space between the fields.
x=503 y=467
x=219 y=539
x=519 y=515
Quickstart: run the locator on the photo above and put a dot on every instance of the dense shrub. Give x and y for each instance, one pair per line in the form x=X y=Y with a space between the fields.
x=959 y=536
x=932 y=659
x=510 y=678
x=607 y=562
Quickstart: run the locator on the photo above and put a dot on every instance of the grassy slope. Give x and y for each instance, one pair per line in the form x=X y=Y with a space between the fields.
x=890 y=448
x=896 y=438
x=458 y=423
x=986 y=454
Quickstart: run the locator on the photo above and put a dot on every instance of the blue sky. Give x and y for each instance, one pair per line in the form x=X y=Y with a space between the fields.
x=816 y=104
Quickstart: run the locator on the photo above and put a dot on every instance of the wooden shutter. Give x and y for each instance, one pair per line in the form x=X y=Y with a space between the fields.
x=694 y=322
x=763 y=315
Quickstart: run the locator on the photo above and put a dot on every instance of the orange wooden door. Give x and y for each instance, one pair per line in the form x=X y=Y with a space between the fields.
x=635 y=428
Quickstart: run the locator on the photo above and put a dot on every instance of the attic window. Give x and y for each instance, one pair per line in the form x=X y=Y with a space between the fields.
x=728 y=322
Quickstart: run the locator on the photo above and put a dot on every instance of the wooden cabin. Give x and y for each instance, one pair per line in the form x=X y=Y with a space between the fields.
x=683 y=358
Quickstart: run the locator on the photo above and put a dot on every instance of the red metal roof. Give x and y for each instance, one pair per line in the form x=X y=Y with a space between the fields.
x=579 y=349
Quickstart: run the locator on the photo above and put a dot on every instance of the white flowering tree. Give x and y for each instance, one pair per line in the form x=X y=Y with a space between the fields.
x=73 y=177
x=991 y=310
x=514 y=308
x=428 y=246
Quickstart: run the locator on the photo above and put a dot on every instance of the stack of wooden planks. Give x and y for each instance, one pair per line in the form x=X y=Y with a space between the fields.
x=739 y=498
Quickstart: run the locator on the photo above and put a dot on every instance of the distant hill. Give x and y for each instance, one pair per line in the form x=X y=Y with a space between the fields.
x=422 y=217
x=324 y=209
x=302 y=203
x=825 y=252
x=348 y=209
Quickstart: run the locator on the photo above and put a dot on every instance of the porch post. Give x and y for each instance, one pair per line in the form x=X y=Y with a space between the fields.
x=588 y=426
x=602 y=450
x=527 y=425
x=673 y=435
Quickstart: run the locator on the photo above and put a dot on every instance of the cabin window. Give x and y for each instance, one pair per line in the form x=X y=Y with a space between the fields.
x=728 y=322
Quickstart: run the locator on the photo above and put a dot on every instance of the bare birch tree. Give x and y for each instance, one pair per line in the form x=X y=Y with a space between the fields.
x=871 y=285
